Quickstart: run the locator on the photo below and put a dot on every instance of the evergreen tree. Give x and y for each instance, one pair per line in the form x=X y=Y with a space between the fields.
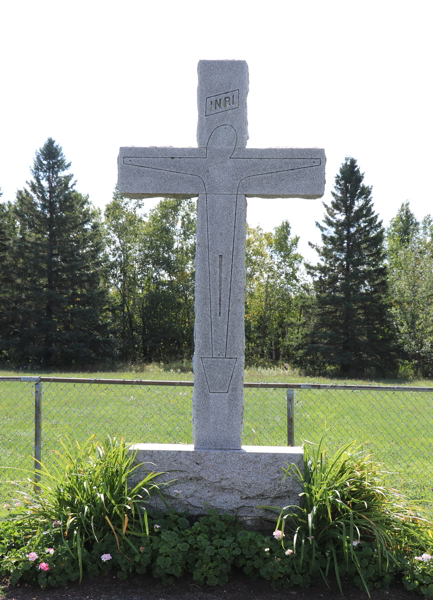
x=351 y=329
x=58 y=303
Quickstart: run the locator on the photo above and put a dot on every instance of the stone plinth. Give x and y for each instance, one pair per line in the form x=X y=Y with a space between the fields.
x=230 y=481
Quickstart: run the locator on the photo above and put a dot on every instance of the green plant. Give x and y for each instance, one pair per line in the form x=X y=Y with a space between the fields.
x=348 y=514
x=85 y=497
x=419 y=575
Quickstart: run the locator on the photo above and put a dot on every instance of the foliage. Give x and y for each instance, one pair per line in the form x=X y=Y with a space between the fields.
x=85 y=497
x=124 y=225
x=273 y=286
x=351 y=330
x=167 y=256
x=410 y=250
x=57 y=300
x=152 y=277
x=7 y=238
x=347 y=513
x=419 y=575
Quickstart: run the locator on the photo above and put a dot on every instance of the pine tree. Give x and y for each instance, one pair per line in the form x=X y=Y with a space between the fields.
x=57 y=314
x=351 y=330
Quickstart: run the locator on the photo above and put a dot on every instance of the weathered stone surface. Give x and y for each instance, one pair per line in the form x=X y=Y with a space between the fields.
x=235 y=482
x=222 y=98
x=222 y=172
x=222 y=169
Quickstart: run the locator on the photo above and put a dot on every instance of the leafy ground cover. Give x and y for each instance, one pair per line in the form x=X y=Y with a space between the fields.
x=87 y=523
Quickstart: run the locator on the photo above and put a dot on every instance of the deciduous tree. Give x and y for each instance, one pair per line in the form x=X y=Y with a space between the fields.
x=410 y=247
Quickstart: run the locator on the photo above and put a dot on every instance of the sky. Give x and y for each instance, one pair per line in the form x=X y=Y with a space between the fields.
x=352 y=77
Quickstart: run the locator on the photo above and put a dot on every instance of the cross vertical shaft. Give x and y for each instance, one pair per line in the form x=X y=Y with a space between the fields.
x=220 y=272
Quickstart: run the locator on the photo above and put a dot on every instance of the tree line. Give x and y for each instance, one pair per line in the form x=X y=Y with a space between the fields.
x=78 y=288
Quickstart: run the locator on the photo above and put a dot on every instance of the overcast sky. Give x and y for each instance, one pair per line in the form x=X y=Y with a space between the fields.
x=352 y=77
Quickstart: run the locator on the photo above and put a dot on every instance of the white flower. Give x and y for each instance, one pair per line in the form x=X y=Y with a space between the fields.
x=288 y=552
x=355 y=542
x=266 y=549
x=424 y=557
x=278 y=534
x=106 y=557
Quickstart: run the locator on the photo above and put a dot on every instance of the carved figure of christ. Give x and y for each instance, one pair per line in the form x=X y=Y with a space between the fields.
x=222 y=174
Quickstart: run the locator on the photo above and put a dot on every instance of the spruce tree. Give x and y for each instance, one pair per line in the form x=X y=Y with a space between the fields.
x=57 y=314
x=351 y=330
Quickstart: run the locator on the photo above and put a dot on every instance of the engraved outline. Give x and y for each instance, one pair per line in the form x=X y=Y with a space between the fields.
x=219 y=358
x=237 y=195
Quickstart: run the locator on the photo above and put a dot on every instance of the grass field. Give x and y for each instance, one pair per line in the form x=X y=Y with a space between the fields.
x=395 y=426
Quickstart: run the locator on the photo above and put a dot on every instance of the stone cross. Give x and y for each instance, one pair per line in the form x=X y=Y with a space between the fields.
x=222 y=173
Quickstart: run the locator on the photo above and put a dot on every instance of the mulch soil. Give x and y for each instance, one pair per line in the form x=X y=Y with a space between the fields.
x=144 y=587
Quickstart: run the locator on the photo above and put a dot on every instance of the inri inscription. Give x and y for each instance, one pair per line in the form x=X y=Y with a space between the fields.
x=222 y=102
x=222 y=172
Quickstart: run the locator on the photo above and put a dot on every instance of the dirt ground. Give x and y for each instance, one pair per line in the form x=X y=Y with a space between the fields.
x=144 y=587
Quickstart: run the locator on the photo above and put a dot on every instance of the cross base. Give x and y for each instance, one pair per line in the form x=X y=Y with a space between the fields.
x=230 y=481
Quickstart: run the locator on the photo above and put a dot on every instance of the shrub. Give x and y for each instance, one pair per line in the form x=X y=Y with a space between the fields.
x=348 y=514
x=84 y=499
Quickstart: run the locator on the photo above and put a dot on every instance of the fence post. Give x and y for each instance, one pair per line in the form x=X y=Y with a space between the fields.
x=290 y=417
x=38 y=432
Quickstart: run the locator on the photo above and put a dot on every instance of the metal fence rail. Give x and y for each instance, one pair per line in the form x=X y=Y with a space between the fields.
x=395 y=423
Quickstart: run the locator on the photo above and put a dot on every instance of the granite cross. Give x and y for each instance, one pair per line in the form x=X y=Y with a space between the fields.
x=222 y=173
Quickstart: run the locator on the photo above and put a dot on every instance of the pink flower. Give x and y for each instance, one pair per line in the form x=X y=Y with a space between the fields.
x=310 y=537
x=50 y=550
x=141 y=548
x=355 y=542
x=17 y=503
x=106 y=557
x=44 y=567
x=278 y=534
x=288 y=552
x=32 y=556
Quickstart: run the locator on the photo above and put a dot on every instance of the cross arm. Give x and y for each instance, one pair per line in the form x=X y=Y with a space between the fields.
x=151 y=172
x=281 y=172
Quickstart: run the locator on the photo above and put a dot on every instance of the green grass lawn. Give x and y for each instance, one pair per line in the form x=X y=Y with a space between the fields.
x=396 y=427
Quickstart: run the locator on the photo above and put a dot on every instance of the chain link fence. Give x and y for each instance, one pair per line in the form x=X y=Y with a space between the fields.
x=394 y=423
